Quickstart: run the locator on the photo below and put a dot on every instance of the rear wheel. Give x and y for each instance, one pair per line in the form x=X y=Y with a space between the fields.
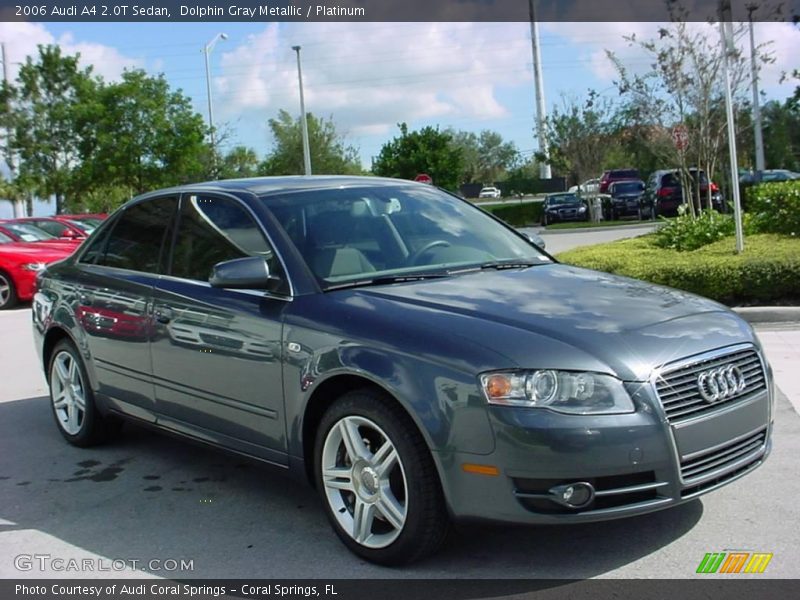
x=72 y=400
x=377 y=480
x=8 y=293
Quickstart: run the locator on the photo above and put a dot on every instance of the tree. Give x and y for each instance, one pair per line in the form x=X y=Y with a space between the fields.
x=486 y=158
x=239 y=162
x=782 y=134
x=683 y=88
x=581 y=136
x=425 y=151
x=143 y=136
x=330 y=153
x=50 y=93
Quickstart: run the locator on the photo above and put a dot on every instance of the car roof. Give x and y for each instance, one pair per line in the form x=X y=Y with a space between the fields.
x=271 y=185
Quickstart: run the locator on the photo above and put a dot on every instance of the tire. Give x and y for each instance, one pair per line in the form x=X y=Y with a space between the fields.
x=8 y=292
x=72 y=400
x=390 y=517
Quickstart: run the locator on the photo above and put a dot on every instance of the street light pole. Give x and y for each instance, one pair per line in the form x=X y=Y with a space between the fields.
x=538 y=82
x=759 y=136
x=726 y=35
x=207 y=51
x=303 y=118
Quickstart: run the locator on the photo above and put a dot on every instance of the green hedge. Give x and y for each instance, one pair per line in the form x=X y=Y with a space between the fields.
x=517 y=215
x=767 y=271
x=776 y=207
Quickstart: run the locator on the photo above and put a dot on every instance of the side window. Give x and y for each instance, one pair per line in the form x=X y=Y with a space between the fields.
x=136 y=239
x=52 y=227
x=214 y=229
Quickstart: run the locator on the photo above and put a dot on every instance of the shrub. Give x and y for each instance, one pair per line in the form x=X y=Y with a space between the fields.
x=776 y=207
x=690 y=233
x=767 y=271
x=517 y=215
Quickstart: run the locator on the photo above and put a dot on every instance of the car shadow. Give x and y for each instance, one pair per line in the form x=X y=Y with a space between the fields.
x=149 y=496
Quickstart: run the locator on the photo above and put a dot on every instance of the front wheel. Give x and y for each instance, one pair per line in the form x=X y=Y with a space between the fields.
x=8 y=293
x=378 y=481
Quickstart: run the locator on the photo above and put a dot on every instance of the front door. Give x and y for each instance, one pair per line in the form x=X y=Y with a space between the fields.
x=217 y=353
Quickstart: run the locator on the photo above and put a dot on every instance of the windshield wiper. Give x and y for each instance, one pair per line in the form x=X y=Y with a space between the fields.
x=510 y=264
x=386 y=280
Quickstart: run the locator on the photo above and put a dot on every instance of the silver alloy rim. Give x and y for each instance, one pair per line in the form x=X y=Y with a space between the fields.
x=5 y=290
x=365 y=483
x=67 y=393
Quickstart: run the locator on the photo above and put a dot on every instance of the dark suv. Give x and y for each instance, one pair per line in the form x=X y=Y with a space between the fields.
x=626 y=200
x=414 y=358
x=613 y=175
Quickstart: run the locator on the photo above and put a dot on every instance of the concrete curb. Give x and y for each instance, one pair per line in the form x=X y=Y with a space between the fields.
x=769 y=314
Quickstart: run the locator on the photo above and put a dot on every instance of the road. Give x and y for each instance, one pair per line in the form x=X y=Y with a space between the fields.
x=151 y=497
x=567 y=239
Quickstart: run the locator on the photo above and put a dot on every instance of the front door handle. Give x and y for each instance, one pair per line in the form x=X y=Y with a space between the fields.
x=164 y=314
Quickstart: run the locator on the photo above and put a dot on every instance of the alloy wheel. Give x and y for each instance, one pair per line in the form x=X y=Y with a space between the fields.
x=68 y=393
x=5 y=290
x=365 y=483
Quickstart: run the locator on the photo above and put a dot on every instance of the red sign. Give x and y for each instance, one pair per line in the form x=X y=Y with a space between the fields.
x=680 y=136
x=424 y=178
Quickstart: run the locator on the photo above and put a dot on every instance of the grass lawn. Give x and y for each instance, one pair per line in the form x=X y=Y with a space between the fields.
x=767 y=271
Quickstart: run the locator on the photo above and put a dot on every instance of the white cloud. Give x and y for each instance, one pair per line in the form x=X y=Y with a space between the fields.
x=22 y=39
x=372 y=76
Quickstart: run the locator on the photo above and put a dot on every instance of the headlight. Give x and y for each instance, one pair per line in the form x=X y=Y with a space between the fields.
x=582 y=209
x=34 y=266
x=561 y=391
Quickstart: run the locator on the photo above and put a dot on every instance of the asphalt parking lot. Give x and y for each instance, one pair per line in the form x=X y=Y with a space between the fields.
x=152 y=498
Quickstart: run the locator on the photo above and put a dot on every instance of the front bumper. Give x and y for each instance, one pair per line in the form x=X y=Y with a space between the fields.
x=636 y=463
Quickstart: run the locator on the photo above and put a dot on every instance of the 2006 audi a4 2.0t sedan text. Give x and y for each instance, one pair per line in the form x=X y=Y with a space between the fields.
x=416 y=359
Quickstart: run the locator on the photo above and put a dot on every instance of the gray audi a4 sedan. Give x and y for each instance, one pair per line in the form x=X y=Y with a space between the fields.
x=415 y=359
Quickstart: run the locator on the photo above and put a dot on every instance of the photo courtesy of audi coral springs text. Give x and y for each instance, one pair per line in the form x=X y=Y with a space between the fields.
x=412 y=357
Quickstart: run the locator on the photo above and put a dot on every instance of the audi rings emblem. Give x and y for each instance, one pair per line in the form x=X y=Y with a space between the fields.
x=718 y=384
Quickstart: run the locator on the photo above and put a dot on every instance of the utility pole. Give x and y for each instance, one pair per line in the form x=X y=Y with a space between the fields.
x=541 y=110
x=303 y=118
x=759 y=136
x=15 y=203
x=213 y=135
x=728 y=47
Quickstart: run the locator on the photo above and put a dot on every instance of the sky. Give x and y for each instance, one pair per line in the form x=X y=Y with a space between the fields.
x=370 y=76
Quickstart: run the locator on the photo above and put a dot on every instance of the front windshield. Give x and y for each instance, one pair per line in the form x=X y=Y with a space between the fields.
x=365 y=233
x=28 y=233
x=562 y=199
x=84 y=226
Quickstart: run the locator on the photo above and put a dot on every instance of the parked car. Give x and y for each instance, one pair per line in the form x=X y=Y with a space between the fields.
x=590 y=186
x=58 y=227
x=417 y=359
x=564 y=206
x=626 y=199
x=84 y=221
x=25 y=232
x=664 y=191
x=768 y=176
x=489 y=192
x=19 y=264
x=613 y=175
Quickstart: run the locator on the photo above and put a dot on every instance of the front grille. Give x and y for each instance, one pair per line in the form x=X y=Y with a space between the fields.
x=679 y=394
x=730 y=457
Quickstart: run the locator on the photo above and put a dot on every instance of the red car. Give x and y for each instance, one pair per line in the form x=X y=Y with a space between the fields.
x=25 y=232
x=88 y=222
x=60 y=227
x=19 y=264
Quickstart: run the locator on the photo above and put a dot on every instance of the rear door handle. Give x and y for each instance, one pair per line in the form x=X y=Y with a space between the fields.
x=164 y=314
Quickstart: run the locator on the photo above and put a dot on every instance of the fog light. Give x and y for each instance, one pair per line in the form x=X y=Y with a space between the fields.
x=574 y=495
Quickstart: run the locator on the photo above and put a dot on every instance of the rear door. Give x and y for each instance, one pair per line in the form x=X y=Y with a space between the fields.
x=217 y=352
x=116 y=277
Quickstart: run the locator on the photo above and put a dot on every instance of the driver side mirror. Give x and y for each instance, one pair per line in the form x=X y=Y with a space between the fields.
x=68 y=234
x=248 y=273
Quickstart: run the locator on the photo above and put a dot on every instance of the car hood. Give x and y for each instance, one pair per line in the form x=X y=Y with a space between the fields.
x=565 y=205
x=632 y=196
x=557 y=316
x=41 y=251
